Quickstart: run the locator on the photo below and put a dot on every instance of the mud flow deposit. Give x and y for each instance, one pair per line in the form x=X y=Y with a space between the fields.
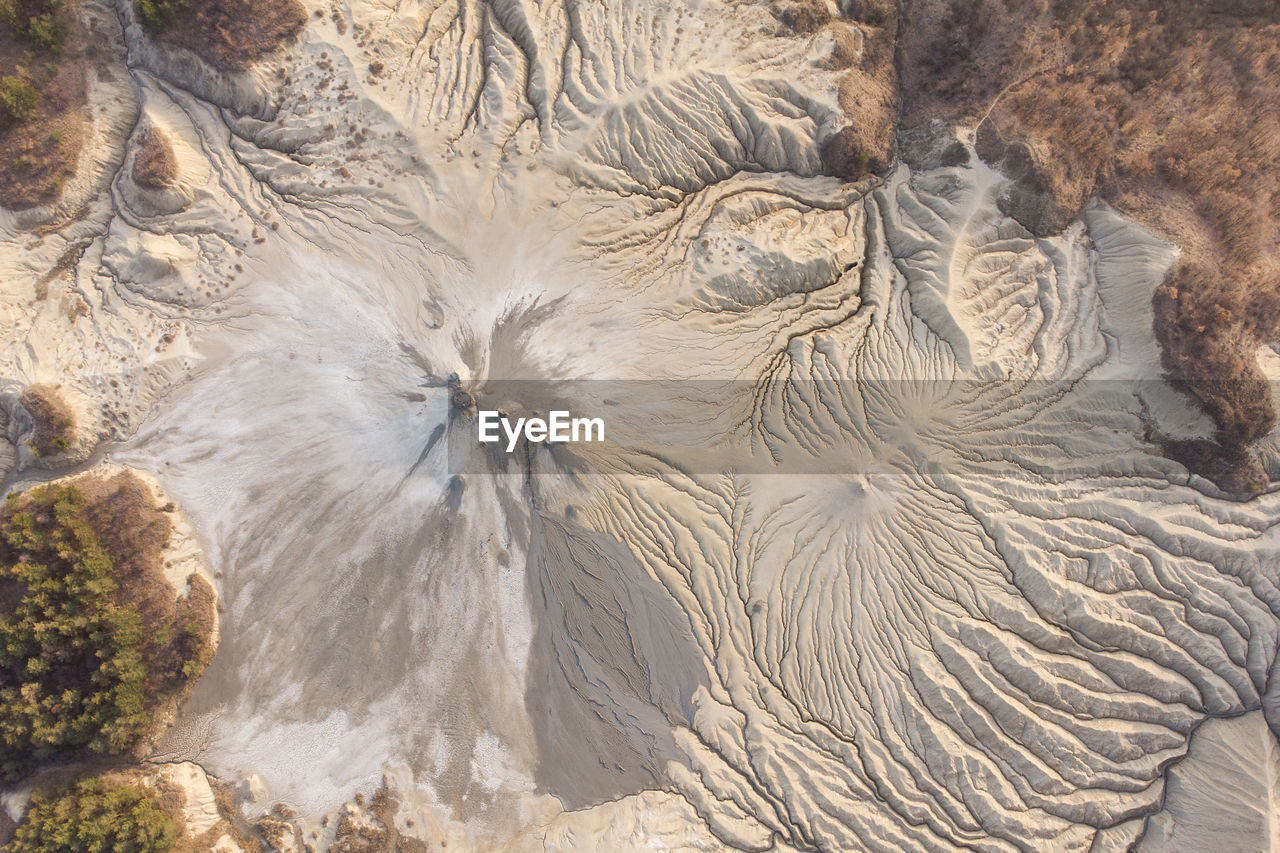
x=632 y=425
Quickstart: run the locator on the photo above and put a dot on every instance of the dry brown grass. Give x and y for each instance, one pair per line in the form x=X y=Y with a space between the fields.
x=233 y=34
x=1168 y=110
x=39 y=153
x=154 y=166
x=55 y=423
x=803 y=16
x=276 y=829
x=868 y=94
x=376 y=834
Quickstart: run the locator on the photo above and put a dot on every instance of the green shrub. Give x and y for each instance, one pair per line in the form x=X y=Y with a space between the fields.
x=46 y=31
x=36 y=21
x=155 y=14
x=92 y=817
x=18 y=100
x=72 y=669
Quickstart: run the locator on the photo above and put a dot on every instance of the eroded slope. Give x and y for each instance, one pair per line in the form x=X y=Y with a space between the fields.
x=940 y=589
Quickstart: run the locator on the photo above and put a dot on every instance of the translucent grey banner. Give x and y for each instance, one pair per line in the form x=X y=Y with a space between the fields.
x=785 y=426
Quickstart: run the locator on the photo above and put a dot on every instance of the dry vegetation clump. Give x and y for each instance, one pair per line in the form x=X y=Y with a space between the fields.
x=43 y=57
x=846 y=47
x=154 y=166
x=868 y=97
x=276 y=829
x=871 y=13
x=55 y=423
x=374 y=831
x=803 y=16
x=847 y=154
x=1168 y=110
x=228 y=34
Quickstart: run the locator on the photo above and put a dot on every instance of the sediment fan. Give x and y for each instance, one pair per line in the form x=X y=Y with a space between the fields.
x=990 y=623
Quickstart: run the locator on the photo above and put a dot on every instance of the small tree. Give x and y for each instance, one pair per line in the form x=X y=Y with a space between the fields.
x=155 y=14
x=18 y=100
x=36 y=21
x=46 y=31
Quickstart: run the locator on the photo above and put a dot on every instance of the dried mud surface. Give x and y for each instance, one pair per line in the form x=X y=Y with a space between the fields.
x=886 y=551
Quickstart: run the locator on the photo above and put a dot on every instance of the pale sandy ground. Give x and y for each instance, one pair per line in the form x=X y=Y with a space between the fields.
x=977 y=610
x=1223 y=796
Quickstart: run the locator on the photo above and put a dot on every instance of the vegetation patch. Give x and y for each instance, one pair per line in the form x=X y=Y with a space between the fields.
x=803 y=16
x=38 y=22
x=154 y=166
x=228 y=34
x=845 y=155
x=372 y=829
x=55 y=423
x=42 y=99
x=1166 y=109
x=91 y=638
x=18 y=100
x=94 y=816
x=867 y=90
